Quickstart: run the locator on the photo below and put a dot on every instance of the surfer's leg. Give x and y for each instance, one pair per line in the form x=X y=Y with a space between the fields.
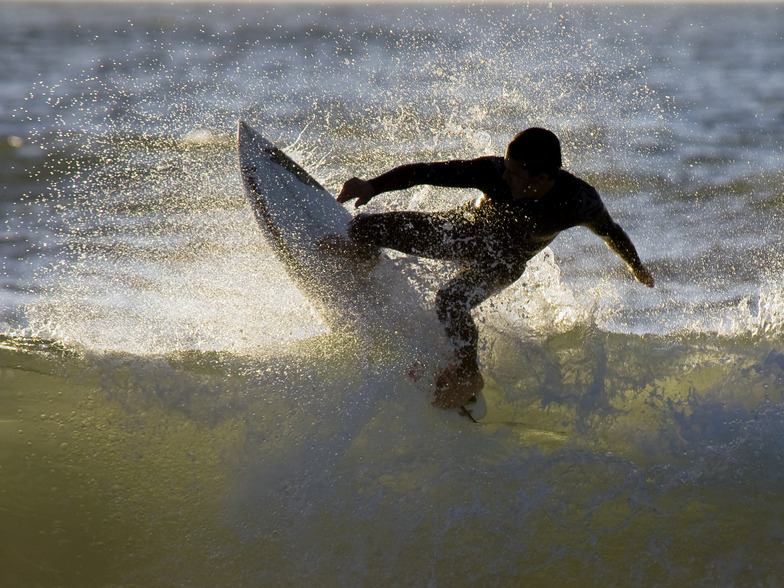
x=454 y=302
x=359 y=253
x=460 y=382
x=439 y=235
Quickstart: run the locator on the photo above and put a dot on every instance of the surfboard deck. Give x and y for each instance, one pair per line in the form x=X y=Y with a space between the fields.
x=295 y=212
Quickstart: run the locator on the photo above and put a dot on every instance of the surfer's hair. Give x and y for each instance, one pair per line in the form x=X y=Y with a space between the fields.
x=537 y=150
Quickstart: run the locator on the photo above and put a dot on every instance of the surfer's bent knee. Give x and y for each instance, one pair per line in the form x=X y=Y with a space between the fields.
x=357 y=228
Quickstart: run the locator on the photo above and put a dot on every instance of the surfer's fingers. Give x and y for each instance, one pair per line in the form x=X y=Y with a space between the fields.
x=362 y=190
x=346 y=192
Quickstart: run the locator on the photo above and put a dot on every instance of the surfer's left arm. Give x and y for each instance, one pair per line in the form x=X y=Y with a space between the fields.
x=616 y=238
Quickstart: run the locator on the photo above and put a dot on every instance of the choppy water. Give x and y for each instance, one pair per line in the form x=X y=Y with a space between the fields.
x=173 y=413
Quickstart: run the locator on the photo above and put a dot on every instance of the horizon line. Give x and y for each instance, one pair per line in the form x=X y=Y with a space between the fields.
x=413 y=2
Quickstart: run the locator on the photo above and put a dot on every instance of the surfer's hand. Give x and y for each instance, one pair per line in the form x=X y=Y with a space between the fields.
x=362 y=190
x=644 y=276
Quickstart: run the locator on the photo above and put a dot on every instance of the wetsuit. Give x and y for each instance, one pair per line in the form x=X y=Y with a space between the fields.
x=491 y=238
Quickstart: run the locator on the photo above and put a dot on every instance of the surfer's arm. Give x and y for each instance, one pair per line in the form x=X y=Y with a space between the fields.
x=398 y=178
x=617 y=240
x=481 y=174
x=473 y=173
x=362 y=190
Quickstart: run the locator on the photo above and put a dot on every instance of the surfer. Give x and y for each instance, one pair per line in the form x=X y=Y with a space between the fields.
x=527 y=199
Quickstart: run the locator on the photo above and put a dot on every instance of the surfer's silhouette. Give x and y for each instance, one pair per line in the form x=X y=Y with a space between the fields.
x=527 y=200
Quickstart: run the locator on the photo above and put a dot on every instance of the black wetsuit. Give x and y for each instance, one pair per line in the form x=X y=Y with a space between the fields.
x=491 y=238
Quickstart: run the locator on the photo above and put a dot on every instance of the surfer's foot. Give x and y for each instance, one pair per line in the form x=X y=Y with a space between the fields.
x=455 y=387
x=336 y=244
x=416 y=371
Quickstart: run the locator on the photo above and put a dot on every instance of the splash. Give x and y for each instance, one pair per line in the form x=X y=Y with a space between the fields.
x=157 y=251
x=160 y=254
x=760 y=318
x=538 y=302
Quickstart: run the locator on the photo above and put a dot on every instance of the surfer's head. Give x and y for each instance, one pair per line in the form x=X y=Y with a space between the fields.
x=537 y=150
x=532 y=161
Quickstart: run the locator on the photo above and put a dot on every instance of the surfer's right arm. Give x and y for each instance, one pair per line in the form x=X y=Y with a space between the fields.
x=362 y=190
x=473 y=173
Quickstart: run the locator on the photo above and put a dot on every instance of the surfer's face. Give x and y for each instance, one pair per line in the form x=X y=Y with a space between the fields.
x=522 y=183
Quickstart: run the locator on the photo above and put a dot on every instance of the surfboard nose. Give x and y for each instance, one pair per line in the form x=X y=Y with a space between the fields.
x=246 y=135
x=244 y=132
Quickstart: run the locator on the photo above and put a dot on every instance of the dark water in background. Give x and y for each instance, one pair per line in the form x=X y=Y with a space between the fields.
x=172 y=412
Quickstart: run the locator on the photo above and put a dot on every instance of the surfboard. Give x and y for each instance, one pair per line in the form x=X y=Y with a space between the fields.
x=295 y=212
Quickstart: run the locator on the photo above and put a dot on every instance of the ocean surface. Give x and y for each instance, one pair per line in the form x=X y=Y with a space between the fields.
x=174 y=413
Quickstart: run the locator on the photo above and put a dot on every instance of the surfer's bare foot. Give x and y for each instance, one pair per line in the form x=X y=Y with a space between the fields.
x=454 y=389
x=336 y=244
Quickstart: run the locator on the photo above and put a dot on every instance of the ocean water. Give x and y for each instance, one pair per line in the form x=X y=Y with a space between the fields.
x=172 y=410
